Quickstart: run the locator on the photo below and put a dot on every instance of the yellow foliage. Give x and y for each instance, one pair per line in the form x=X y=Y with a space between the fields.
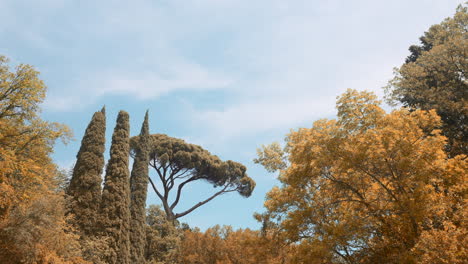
x=32 y=224
x=364 y=188
x=222 y=245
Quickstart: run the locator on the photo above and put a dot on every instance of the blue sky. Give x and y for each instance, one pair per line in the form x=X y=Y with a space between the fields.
x=228 y=75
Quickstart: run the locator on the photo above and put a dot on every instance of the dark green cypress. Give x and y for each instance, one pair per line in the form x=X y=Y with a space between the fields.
x=139 y=185
x=84 y=190
x=115 y=204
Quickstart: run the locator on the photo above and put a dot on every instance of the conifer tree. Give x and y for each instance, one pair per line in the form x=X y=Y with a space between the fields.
x=85 y=185
x=138 y=186
x=116 y=195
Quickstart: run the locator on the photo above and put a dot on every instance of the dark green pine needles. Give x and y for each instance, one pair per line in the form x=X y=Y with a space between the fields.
x=85 y=185
x=116 y=195
x=138 y=186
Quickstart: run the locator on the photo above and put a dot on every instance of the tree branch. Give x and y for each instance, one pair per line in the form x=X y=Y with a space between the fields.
x=179 y=191
x=155 y=189
x=204 y=202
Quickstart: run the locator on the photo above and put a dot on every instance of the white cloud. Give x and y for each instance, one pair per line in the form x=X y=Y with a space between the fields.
x=182 y=76
x=282 y=62
x=255 y=117
x=149 y=85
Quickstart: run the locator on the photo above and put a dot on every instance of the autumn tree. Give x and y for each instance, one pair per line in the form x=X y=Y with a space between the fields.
x=178 y=163
x=434 y=77
x=32 y=223
x=37 y=232
x=84 y=189
x=205 y=247
x=25 y=140
x=224 y=245
x=138 y=189
x=115 y=205
x=367 y=187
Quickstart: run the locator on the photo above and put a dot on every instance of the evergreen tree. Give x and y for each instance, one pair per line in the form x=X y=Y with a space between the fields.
x=434 y=77
x=138 y=186
x=116 y=195
x=179 y=163
x=85 y=185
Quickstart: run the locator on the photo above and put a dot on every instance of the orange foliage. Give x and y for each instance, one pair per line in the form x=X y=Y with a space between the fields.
x=369 y=186
x=222 y=245
x=32 y=224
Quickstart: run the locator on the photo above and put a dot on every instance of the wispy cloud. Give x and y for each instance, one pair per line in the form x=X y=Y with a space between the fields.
x=143 y=85
x=281 y=62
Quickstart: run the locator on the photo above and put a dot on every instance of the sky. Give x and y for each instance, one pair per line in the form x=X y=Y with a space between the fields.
x=229 y=75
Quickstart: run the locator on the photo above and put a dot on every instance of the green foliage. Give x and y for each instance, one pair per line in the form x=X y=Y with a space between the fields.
x=163 y=237
x=85 y=185
x=178 y=163
x=138 y=187
x=434 y=77
x=115 y=204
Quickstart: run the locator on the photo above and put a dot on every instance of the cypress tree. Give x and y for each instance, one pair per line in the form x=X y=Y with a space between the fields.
x=138 y=186
x=116 y=195
x=85 y=185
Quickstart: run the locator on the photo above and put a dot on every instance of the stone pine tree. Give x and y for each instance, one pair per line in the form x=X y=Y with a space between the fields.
x=85 y=185
x=115 y=203
x=178 y=163
x=138 y=186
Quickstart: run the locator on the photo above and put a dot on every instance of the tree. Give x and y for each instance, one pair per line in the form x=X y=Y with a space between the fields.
x=434 y=77
x=365 y=187
x=25 y=140
x=32 y=223
x=163 y=237
x=139 y=186
x=205 y=247
x=178 y=163
x=116 y=195
x=38 y=233
x=85 y=185
x=227 y=246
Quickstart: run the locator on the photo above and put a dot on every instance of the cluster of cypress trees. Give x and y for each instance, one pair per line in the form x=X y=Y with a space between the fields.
x=117 y=211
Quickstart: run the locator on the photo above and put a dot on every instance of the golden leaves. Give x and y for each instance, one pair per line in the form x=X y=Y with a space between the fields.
x=367 y=183
x=31 y=213
x=271 y=157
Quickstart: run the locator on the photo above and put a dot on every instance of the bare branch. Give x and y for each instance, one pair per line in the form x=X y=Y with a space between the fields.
x=155 y=189
x=179 y=190
x=204 y=202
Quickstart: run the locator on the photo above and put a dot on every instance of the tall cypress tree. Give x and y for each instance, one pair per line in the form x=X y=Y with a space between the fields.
x=115 y=204
x=138 y=186
x=85 y=185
